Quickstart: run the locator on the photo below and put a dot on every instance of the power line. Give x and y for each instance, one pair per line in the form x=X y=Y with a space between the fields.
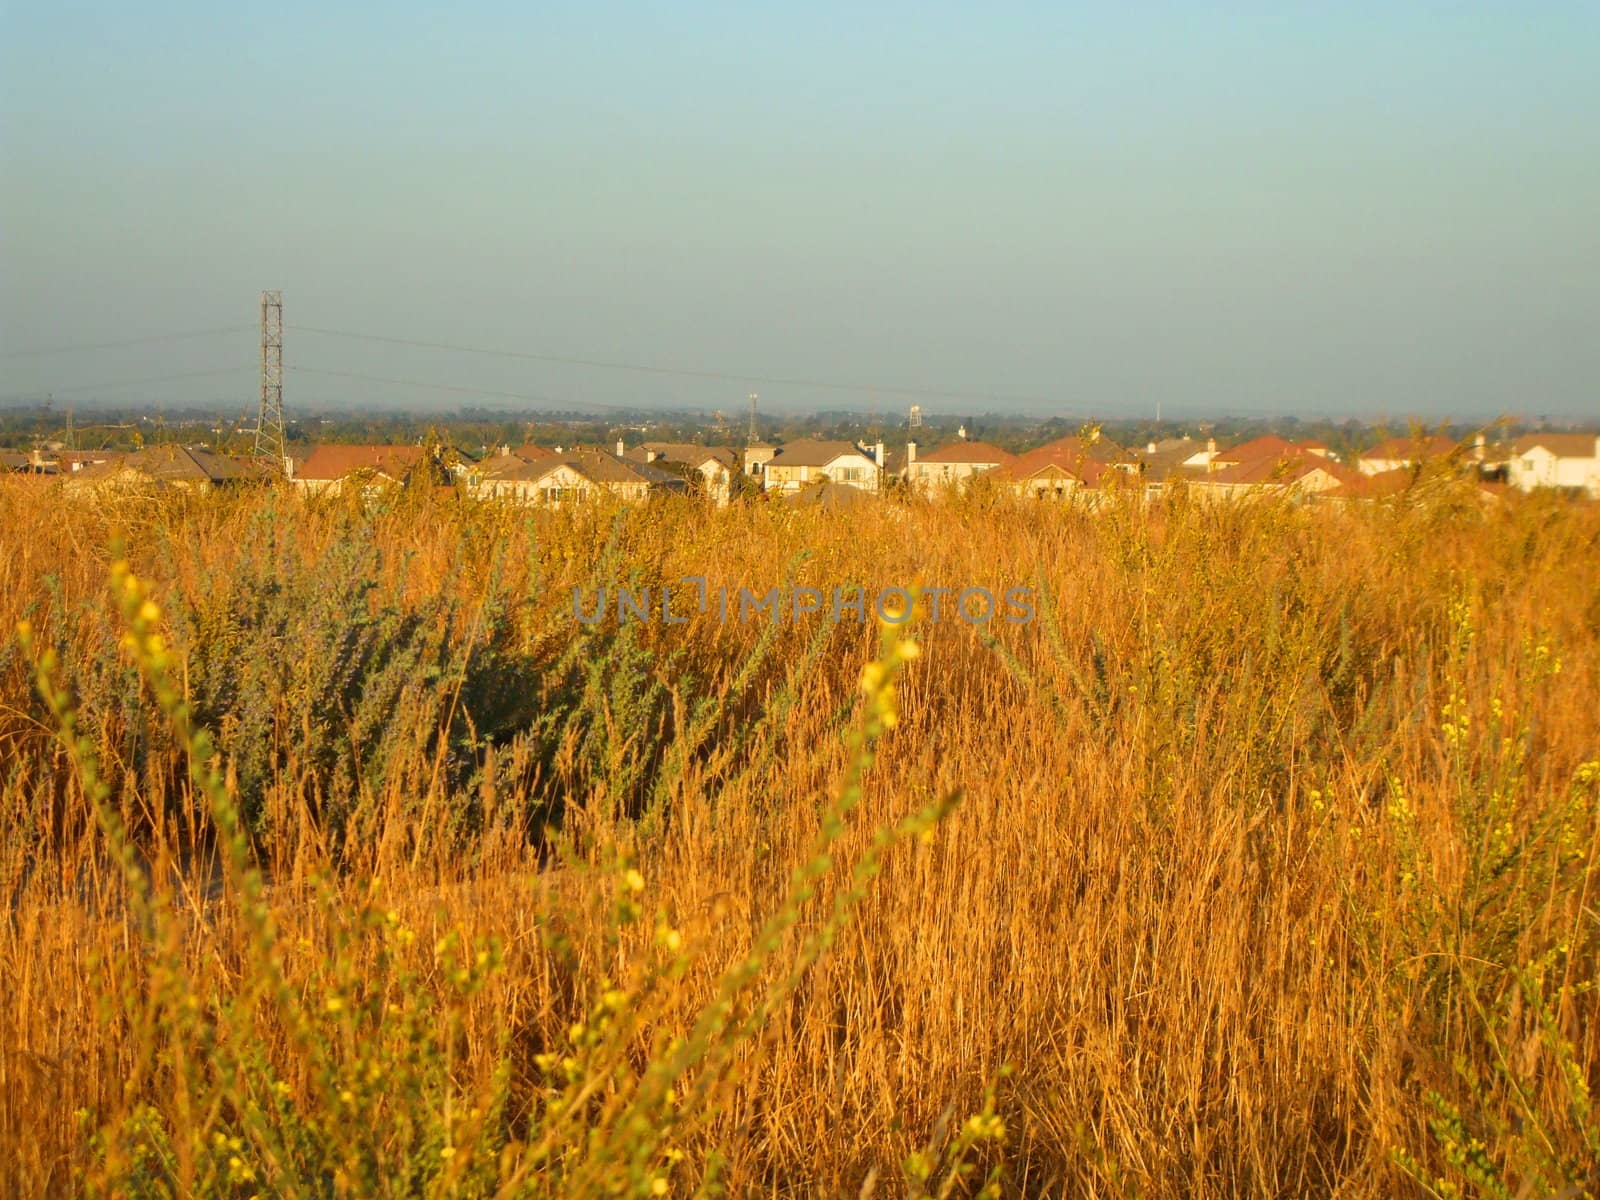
x=685 y=372
x=529 y=397
x=40 y=351
x=106 y=387
x=529 y=356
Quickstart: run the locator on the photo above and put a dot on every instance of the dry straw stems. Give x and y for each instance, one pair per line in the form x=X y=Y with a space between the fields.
x=339 y=859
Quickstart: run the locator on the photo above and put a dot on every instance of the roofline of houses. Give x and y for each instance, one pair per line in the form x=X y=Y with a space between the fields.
x=1570 y=461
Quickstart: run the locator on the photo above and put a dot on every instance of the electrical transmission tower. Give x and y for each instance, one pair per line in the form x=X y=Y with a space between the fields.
x=270 y=447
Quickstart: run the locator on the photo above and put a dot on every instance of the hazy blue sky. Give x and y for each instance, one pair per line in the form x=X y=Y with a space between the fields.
x=1228 y=206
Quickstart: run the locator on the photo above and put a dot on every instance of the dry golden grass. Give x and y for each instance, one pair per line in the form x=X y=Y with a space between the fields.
x=1272 y=873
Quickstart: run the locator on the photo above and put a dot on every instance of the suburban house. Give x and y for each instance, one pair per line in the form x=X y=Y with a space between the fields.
x=1056 y=470
x=573 y=477
x=1302 y=472
x=328 y=468
x=898 y=461
x=1269 y=448
x=1386 y=485
x=508 y=473
x=1556 y=460
x=715 y=466
x=950 y=466
x=796 y=464
x=529 y=451
x=1378 y=486
x=29 y=463
x=190 y=468
x=1172 y=460
x=1400 y=453
x=472 y=471
x=756 y=456
x=70 y=462
x=1199 y=457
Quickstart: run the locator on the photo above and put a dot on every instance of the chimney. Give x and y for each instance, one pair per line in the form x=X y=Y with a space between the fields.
x=911 y=453
x=288 y=467
x=505 y=449
x=1149 y=447
x=621 y=449
x=1480 y=445
x=877 y=454
x=1211 y=445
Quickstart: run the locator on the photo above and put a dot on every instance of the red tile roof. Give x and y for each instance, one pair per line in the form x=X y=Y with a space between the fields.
x=1370 y=487
x=1069 y=455
x=1099 y=448
x=1267 y=446
x=329 y=462
x=968 y=452
x=1284 y=470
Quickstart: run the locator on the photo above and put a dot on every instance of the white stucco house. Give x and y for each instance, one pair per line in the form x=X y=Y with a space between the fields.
x=1399 y=453
x=1556 y=460
x=796 y=464
x=715 y=466
x=950 y=466
x=572 y=477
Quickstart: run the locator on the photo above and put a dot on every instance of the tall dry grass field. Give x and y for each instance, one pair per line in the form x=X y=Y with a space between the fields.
x=340 y=859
